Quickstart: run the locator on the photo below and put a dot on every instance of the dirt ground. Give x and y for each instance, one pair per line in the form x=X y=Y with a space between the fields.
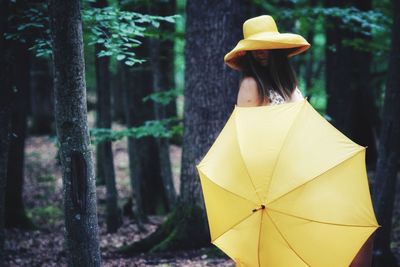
x=43 y=201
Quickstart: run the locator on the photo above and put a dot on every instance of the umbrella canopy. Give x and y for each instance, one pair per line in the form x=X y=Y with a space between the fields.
x=283 y=187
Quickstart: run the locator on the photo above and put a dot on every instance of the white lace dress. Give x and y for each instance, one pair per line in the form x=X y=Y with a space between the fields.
x=275 y=98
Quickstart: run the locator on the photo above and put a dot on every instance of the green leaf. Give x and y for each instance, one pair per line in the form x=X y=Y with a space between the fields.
x=120 y=57
x=129 y=63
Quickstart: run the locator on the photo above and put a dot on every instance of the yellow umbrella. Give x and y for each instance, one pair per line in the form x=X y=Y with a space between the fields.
x=283 y=187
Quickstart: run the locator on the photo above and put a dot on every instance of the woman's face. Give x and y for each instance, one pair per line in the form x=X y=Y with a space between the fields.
x=261 y=56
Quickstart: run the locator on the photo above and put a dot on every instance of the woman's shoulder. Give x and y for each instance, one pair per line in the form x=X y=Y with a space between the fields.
x=248 y=82
x=248 y=92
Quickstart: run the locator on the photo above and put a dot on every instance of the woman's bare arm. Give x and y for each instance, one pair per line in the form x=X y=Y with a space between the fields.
x=248 y=93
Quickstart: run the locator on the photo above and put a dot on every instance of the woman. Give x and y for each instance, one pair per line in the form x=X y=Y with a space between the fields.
x=268 y=78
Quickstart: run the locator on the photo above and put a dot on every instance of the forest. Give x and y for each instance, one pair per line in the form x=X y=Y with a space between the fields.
x=120 y=100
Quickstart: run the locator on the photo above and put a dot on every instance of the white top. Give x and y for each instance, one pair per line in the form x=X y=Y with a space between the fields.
x=275 y=98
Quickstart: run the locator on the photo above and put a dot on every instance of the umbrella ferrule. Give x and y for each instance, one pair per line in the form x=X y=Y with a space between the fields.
x=259 y=208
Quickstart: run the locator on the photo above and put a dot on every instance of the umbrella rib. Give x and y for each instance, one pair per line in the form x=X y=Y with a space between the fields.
x=245 y=166
x=284 y=238
x=283 y=144
x=233 y=226
x=259 y=238
x=312 y=179
x=316 y=221
x=233 y=193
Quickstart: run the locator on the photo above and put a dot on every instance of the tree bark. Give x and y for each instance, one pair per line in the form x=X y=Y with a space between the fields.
x=210 y=86
x=6 y=97
x=389 y=152
x=212 y=29
x=105 y=159
x=15 y=214
x=80 y=206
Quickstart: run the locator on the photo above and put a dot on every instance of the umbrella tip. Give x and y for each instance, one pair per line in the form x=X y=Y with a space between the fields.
x=260 y=208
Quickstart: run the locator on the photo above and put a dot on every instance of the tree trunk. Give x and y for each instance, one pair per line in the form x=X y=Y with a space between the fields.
x=167 y=8
x=389 y=152
x=6 y=96
x=309 y=64
x=161 y=81
x=5 y=120
x=42 y=99
x=105 y=161
x=144 y=163
x=80 y=206
x=213 y=28
x=118 y=108
x=102 y=86
x=15 y=214
x=350 y=103
x=134 y=166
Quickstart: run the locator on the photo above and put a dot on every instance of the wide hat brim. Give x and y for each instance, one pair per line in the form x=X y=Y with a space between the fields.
x=264 y=41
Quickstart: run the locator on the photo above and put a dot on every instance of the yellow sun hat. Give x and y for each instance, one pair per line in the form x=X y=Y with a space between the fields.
x=261 y=33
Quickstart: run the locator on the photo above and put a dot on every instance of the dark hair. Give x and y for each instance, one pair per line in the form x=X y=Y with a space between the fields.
x=278 y=75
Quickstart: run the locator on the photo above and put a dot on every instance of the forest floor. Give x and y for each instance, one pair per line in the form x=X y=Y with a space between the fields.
x=43 y=201
x=44 y=205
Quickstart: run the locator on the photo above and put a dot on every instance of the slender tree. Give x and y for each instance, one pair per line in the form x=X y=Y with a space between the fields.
x=15 y=213
x=104 y=153
x=309 y=65
x=167 y=53
x=80 y=206
x=389 y=151
x=6 y=96
x=349 y=93
x=212 y=28
x=41 y=96
x=144 y=162
x=117 y=100
x=161 y=80
x=102 y=87
x=134 y=172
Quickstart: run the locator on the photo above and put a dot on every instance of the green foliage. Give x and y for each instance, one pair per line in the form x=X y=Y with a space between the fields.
x=31 y=26
x=46 y=178
x=119 y=31
x=48 y=214
x=164 y=97
x=166 y=128
x=48 y=181
x=34 y=154
x=364 y=22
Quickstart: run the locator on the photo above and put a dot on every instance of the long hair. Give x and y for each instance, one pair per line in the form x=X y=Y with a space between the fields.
x=278 y=75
